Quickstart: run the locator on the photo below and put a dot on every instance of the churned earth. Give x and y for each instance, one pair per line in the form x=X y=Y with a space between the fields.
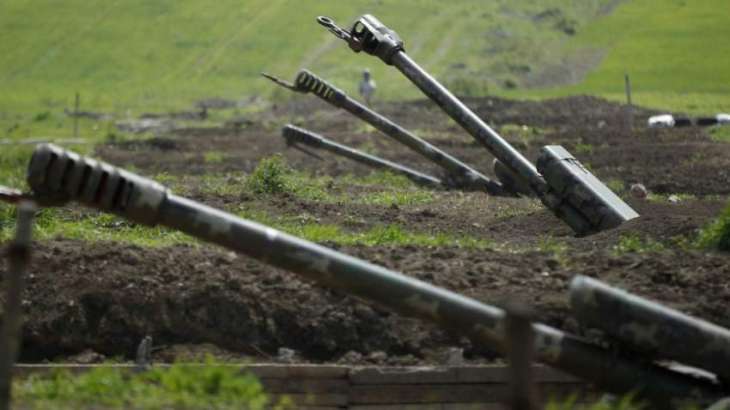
x=193 y=298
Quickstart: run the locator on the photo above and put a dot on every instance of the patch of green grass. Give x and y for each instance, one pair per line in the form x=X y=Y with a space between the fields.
x=626 y=402
x=214 y=157
x=147 y=55
x=274 y=176
x=668 y=47
x=583 y=149
x=616 y=185
x=378 y=179
x=633 y=243
x=304 y=227
x=270 y=176
x=524 y=132
x=399 y=198
x=213 y=386
x=90 y=226
x=716 y=235
x=548 y=244
x=720 y=133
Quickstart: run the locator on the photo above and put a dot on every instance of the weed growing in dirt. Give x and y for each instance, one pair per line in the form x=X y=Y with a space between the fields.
x=633 y=243
x=213 y=386
x=583 y=149
x=717 y=234
x=525 y=133
x=274 y=176
x=269 y=177
x=616 y=185
x=555 y=247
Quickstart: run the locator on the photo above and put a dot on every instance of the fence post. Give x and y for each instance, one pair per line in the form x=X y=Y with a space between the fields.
x=76 y=115
x=520 y=353
x=18 y=254
x=630 y=105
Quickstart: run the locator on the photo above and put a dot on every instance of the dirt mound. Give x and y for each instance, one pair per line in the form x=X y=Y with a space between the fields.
x=107 y=296
x=666 y=161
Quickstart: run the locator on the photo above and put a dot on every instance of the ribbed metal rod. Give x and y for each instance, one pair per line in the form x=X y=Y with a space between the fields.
x=302 y=136
x=463 y=174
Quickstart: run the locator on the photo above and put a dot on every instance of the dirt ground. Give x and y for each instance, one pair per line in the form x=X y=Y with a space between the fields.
x=105 y=297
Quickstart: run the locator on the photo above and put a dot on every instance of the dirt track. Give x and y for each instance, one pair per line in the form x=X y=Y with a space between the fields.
x=106 y=296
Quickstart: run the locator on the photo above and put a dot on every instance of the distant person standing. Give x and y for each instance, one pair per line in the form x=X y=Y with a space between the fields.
x=367 y=87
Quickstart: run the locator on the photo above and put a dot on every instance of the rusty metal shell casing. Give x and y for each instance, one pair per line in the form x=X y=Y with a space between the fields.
x=296 y=135
x=651 y=328
x=392 y=290
x=458 y=174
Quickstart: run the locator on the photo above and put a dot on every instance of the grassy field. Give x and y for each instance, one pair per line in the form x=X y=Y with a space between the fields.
x=671 y=50
x=140 y=56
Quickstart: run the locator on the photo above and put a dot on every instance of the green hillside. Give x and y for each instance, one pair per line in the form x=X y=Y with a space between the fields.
x=675 y=52
x=135 y=56
x=147 y=55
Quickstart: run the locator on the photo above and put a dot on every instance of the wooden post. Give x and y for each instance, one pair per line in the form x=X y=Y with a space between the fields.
x=76 y=115
x=18 y=257
x=520 y=353
x=630 y=105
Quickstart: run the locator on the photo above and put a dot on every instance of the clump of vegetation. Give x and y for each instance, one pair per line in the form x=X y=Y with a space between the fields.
x=633 y=243
x=721 y=134
x=399 y=198
x=213 y=157
x=213 y=386
x=583 y=149
x=616 y=185
x=274 y=176
x=270 y=176
x=716 y=235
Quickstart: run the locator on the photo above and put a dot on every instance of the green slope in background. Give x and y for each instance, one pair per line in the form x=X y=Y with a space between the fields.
x=677 y=53
x=165 y=53
x=137 y=56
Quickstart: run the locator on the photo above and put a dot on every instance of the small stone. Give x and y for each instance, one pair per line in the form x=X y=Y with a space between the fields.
x=87 y=356
x=454 y=356
x=378 y=357
x=673 y=199
x=285 y=355
x=639 y=191
x=351 y=357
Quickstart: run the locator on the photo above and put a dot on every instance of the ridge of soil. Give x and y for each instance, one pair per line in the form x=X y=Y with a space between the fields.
x=107 y=296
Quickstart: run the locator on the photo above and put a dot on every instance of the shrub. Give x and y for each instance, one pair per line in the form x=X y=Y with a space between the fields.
x=212 y=386
x=270 y=176
x=716 y=235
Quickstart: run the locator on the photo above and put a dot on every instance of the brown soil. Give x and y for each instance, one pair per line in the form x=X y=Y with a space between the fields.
x=107 y=296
